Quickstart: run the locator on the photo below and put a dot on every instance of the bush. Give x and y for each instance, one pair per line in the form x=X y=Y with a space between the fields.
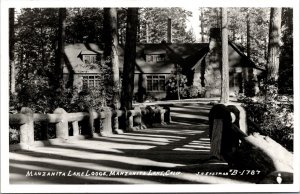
x=274 y=118
x=14 y=135
x=42 y=103
x=184 y=90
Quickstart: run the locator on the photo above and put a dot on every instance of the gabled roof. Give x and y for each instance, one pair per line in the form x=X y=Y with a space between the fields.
x=186 y=55
x=182 y=54
x=74 y=60
x=154 y=49
x=246 y=61
x=88 y=52
x=234 y=49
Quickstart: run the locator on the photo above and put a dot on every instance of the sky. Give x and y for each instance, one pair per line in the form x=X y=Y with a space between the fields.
x=194 y=22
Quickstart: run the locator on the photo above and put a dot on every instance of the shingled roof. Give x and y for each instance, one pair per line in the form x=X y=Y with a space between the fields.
x=182 y=54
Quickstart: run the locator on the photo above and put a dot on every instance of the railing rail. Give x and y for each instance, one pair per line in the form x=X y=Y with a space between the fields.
x=231 y=142
x=132 y=120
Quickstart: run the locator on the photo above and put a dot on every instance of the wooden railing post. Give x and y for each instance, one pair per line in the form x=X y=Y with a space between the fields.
x=220 y=133
x=161 y=113
x=62 y=130
x=135 y=118
x=107 y=127
x=130 y=120
x=90 y=128
x=27 y=129
x=167 y=116
x=119 y=121
x=138 y=117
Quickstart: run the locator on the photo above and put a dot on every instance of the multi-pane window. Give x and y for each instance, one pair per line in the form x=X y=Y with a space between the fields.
x=149 y=58
x=90 y=81
x=156 y=83
x=155 y=58
x=160 y=58
x=89 y=59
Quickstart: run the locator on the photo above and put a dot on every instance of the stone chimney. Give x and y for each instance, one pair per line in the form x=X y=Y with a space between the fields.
x=214 y=38
x=169 y=31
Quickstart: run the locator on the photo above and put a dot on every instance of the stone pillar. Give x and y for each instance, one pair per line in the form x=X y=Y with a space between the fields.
x=62 y=130
x=27 y=129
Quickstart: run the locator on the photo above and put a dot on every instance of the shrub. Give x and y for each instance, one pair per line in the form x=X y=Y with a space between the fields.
x=274 y=118
x=185 y=91
x=14 y=135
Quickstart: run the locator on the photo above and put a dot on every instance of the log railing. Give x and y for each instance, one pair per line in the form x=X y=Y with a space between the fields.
x=111 y=121
x=231 y=142
x=26 y=119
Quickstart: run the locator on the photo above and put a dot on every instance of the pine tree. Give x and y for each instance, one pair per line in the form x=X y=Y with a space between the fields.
x=273 y=51
x=225 y=66
x=11 y=50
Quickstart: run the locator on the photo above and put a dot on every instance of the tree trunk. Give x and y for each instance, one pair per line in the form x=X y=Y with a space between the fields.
x=111 y=53
x=274 y=45
x=138 y=31
x=202 y=25
x=225 y=66
x=217 y=13
x=249 y=77
x=129 y=58
x=11 y=50
x=178 y=82
x=248 y=33
x=59 y=85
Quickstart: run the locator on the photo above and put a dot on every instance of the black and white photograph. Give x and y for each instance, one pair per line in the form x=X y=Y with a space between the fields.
x=151 y=95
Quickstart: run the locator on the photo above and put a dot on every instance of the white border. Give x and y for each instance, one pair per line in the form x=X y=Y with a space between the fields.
x=5 y=187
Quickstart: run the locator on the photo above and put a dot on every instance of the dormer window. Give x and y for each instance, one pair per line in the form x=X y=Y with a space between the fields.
x=160 y=58
x=89 y=59
x=155 y=58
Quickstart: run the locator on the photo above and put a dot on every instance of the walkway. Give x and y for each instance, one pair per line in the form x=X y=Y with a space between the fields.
x=170 y=154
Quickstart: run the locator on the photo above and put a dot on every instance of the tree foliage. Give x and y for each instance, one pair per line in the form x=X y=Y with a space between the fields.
x=36 y=35
x=156 y=18
x=259 y=30
x=84 y=24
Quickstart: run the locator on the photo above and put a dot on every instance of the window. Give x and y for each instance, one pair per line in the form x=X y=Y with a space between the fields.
x=160 y=58
x=90 y=81
x=155 y=58
x=149 y=58
x=89 y=59
x=156 y=83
